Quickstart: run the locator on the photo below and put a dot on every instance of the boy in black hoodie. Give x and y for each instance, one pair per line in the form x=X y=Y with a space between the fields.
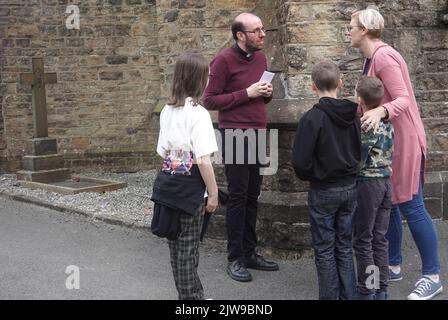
x=327 y=153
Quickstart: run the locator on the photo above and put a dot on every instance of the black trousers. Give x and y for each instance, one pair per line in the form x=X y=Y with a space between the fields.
x=370 y=222
x=244 y=185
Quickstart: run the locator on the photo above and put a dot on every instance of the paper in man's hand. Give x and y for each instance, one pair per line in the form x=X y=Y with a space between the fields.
x=267 y=76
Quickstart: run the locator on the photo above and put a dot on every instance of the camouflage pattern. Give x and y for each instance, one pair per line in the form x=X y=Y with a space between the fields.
x=377 y=151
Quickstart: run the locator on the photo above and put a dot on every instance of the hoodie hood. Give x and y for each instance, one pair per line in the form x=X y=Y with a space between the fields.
x=342 y=112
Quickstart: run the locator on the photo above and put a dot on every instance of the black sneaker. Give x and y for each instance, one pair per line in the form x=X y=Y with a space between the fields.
x=238 y=272
x=257 y=262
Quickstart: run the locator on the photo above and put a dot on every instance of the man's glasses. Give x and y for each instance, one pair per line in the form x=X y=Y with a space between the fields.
x=257 y=31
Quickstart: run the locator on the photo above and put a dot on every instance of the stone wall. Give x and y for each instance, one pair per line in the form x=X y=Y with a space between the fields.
x=193 y=26
x=304 y=32
x=108 y=79
x=309 y=31
x=417 y=29
x=3 y=163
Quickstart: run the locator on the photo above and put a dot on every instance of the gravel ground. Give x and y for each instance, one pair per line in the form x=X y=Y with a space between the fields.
x=130 y=206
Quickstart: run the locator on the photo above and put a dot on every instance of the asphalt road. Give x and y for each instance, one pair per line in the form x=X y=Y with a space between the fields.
x=38 y=246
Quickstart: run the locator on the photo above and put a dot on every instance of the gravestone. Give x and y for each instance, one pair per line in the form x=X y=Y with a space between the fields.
x=42 y=162
x=43 y=166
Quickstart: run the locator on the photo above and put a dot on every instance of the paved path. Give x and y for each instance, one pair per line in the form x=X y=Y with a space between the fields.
x=116 y=262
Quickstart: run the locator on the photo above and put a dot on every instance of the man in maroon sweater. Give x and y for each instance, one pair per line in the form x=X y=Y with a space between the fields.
x=235 y=90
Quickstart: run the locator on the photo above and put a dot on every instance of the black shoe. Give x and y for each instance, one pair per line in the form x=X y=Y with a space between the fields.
x=257 y=262
x=238 y=272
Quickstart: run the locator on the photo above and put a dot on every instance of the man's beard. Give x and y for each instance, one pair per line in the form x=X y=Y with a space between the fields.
x=251 y=47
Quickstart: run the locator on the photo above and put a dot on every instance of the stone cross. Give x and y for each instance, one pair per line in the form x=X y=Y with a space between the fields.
x=37 y=80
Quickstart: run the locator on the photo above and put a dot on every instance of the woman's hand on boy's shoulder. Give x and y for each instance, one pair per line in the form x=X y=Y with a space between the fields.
x=371 y=119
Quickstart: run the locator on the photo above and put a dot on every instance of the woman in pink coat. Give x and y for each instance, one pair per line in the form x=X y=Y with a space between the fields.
x=400 y=107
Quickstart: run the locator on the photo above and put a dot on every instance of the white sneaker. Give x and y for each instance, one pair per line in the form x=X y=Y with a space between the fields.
x=425 y=289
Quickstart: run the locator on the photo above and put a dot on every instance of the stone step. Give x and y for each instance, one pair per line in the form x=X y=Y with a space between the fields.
x=283 y=221
x=288 y=207
x=44 y=175
x=44 y=162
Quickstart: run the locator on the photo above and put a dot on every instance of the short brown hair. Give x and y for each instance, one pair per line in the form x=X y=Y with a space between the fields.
x=371 y=90
x=237 y=26
x=189 y=79
x=326 y=75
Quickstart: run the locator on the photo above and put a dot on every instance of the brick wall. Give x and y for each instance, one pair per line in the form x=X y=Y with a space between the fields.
x=108 y=79
x=3 y=158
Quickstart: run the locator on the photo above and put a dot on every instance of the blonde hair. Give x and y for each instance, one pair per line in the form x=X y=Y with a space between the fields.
x=370 y=19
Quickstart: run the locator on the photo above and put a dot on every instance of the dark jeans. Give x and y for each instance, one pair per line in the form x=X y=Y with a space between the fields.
x=370 y=224
x=331 y=213
x=244 y=185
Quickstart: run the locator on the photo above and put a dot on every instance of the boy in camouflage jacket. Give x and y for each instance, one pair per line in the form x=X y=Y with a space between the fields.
x=371 y=218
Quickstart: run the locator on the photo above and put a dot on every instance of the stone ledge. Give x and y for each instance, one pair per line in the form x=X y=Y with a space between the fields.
x=287 y=119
